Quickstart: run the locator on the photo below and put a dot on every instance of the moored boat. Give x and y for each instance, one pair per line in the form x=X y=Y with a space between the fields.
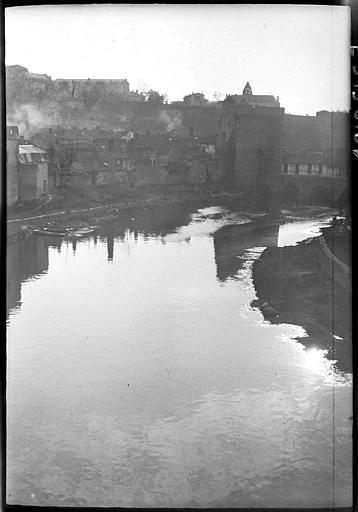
x=67 y=232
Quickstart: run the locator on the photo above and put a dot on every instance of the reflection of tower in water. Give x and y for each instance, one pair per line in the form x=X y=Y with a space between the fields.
x=231 y=242
x=24 y=259
x=110 y=246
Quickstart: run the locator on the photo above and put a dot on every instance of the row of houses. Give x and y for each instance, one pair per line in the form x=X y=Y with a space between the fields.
x=76 y=160
x=328 y=163
x=134 y=160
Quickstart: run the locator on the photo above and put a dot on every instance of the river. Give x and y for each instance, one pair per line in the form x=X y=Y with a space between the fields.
x=138 y=375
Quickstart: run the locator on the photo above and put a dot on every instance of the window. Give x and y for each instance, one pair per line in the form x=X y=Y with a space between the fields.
x=303 y=169
x=291 y=168
x=297 y=169
x=309 y=170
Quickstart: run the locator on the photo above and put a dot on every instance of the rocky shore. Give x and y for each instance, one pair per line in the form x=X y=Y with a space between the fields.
x=299 y=290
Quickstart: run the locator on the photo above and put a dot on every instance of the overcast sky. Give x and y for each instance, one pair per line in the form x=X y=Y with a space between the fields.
x=299 y=53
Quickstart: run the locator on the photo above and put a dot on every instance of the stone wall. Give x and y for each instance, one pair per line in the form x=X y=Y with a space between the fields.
x=316 y=133
x=333 y=130
x=27 y=182
x=31 y=180
x=300 y=132
x=12 y=192
x=258 y=146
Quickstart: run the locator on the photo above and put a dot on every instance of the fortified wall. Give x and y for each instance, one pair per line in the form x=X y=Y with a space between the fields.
x=272 y=156
x=250 y=146
x=323 y=131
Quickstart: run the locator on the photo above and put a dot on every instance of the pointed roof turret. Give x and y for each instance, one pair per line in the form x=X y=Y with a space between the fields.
x=247 y=89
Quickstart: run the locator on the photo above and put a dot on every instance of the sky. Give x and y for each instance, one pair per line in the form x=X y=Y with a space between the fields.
x=299 y=53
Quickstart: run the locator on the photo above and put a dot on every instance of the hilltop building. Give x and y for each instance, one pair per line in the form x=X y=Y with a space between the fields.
x=195 y=99
x=248 y=98
x=118 y=87
x=31 y=82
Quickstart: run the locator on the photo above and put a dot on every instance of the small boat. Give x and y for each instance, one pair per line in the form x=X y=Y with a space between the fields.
x=82 y=232
x=67 y=232
x=49 y=232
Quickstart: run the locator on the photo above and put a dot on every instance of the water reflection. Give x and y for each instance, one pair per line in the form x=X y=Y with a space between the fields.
x=292 y=233
x=25 y=259
x=110 y=245
x=149 y=222
x=170 y=390
x=231 y=242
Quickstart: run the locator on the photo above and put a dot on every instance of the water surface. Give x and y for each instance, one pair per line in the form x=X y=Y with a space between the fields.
x=139 y=376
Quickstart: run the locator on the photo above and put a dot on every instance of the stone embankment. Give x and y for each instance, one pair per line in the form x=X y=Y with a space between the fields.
x=297 y=283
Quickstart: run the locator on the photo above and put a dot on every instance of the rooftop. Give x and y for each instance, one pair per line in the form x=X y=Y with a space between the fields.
x=29 y=148
x=253 y=99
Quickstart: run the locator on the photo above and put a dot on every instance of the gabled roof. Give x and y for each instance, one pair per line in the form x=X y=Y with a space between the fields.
x=30 y=148
x=254 y=99
x=30 y=154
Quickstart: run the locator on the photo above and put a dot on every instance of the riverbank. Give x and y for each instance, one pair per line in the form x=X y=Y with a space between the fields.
x=24 y=220
x=292 y=281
